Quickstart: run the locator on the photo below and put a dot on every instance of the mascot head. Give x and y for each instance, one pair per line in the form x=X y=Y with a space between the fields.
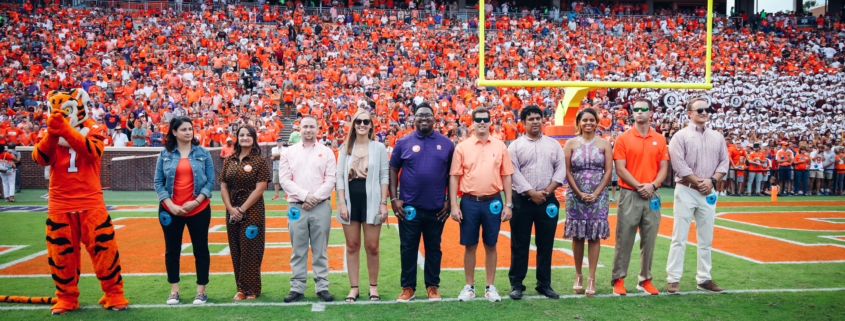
x=74 y=105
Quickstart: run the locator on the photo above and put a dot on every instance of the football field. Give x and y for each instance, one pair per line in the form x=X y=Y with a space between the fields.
x=778 y=261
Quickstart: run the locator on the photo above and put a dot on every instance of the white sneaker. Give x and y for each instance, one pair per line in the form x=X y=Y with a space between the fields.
x=612 y=199
x=45 y=196
x=468 y=293
x=173 y=298
x=492 y=294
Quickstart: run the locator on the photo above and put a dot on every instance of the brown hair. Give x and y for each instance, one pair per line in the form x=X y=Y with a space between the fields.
x=643 y=100
x=694 y=100
x=480 y=109
x=353 y=135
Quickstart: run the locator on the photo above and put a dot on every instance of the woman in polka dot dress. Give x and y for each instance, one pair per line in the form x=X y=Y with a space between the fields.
x=243 y=179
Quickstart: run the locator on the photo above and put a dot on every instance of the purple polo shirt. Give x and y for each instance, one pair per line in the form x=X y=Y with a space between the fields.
x=425 y=163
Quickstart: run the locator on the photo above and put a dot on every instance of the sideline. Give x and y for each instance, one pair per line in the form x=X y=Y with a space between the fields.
x=324 y=304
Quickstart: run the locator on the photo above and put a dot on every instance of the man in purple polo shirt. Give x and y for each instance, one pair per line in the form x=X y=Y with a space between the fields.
x=422 y=206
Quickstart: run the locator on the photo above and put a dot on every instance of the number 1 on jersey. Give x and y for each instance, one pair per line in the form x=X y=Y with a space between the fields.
x=71 y=167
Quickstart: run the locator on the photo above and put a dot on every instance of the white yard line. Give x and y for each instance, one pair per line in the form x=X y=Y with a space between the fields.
x=363 y=302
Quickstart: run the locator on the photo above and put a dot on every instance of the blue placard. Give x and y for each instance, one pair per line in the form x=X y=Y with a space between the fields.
x=496 y=207
x=655 y=203
x=711 y=199
x=164 y=218
x=293 y=213
x=410 y=212
x=551 y=210
x=251 y=232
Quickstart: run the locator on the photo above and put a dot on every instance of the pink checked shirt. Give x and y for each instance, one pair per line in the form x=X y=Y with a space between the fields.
x=307 y=169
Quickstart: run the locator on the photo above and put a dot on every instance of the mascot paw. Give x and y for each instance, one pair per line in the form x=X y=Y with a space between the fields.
x=57 y=124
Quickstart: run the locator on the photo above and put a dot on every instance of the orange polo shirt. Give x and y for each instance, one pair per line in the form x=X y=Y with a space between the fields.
x=642 y=154
x=481 y=166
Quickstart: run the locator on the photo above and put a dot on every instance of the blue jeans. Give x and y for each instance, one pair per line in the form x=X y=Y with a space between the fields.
x=839 y=181
x=752 y=176
x=802 y=177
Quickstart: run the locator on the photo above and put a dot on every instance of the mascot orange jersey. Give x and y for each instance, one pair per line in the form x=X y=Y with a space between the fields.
x=76 y=211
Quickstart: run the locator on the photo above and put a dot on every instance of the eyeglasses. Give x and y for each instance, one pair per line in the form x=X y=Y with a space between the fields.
x=481 y=120
x=365 y=122
x=703 y=110
x=425 y=115
x=641 y=109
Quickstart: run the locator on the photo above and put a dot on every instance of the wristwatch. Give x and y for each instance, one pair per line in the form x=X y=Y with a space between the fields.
x=509 y=205
x=714 y=181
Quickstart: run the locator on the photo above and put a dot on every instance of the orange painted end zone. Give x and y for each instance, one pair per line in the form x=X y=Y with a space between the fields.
x=790 y=220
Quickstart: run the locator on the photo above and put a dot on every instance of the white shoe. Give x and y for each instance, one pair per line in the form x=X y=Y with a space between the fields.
x=173 y=298
x=492 y=294
x=612 y=199
x=45 y=196
x=200 y=298
x=468 y=293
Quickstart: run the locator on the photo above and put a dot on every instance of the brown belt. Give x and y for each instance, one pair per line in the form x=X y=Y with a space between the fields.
x=481 y=198
x=688 y=184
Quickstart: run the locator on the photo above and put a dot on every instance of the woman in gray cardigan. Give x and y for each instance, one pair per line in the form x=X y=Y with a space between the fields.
x=362 y=179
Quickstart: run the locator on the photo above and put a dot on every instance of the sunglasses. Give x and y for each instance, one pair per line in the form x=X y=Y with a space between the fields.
x=481 y=120
x=703 y=110
x=365 y=122
x=641 y=109
x=425 y=115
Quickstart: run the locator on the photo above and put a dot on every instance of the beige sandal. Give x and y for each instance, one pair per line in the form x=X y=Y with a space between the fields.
x=578 y=286
x=591 y=288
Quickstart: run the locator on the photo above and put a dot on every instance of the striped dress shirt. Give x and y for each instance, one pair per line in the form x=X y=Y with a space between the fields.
x=700 y=151
x=536 y=163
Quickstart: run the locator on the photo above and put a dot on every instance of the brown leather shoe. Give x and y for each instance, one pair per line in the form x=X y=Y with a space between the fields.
x=433 y=293
x=710 y=286
x=674 y=288
x=406 y=296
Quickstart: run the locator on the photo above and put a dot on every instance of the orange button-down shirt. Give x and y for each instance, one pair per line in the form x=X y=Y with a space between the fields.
x=481 y=166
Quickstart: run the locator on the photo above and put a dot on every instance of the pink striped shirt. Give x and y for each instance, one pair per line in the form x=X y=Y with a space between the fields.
x=307 y=169
x=699 y=151
x=536 y=163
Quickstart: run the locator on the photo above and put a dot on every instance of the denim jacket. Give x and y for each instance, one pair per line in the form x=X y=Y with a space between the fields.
x=201 y=165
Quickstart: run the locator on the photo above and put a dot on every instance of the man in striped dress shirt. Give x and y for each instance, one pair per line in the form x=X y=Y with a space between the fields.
x=700 y=159
x=538 y=169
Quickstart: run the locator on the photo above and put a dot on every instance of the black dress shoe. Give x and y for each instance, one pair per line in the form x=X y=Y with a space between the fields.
x=516 y=293
x=548 y=292
x=325 y=296
x=293 y=297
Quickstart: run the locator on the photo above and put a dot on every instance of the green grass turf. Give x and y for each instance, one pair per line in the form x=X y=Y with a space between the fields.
x=729 y=272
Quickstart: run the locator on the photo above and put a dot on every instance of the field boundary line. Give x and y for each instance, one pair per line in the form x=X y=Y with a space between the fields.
x=530 y=297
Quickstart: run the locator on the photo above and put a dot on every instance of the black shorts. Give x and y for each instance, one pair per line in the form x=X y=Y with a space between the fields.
x=358 y=200
x=614 y=183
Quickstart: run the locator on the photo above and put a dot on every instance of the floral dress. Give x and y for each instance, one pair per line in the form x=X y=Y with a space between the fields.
x=587 y=220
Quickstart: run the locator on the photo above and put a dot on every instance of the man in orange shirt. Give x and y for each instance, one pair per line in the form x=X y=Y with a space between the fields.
x=510 y=131
x=802 y=176
x=756 y=160
x=784 y=158
x=642 y=160
x=481 y=170
x=264 y=137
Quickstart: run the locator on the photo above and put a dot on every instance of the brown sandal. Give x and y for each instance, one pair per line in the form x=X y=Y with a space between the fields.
x=239 y=296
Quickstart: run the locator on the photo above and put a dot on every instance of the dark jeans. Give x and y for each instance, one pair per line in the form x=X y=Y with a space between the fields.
x=525 y=215
x=427 y=224
x=18 y=179
x=198 y=229
x=802 y=178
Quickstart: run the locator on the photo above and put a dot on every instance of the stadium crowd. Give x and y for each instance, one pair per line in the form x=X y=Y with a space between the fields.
x=227 y=65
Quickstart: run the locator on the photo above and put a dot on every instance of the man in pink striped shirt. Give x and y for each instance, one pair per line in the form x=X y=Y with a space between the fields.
x=307 y=175
x=700 y=158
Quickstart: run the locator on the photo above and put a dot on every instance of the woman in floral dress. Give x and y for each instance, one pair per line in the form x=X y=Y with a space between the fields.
x=589 y=164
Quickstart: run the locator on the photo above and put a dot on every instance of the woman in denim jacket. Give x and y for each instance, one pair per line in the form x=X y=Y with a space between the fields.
x=184 y=179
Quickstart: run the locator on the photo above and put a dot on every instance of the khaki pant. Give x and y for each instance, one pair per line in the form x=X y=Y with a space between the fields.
x=634 y=213
x=312 y=228
x=689 y=204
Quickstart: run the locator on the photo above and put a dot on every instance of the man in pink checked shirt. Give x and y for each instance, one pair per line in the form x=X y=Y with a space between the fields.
x=307 y=175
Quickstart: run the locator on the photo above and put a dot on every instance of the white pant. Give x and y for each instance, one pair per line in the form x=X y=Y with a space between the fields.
x=690 y=203
x=8 y=183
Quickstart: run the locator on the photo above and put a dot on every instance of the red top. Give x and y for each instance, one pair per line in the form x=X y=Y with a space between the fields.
x=183 y=187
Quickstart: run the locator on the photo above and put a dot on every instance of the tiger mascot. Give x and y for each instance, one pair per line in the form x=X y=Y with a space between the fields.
x=76 y=211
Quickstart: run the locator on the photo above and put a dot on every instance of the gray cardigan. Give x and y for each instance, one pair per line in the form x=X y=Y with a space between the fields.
x=377 y=175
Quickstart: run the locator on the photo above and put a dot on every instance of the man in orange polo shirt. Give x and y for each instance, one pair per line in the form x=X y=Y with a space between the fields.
x=642 y=160
x=481 y=170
